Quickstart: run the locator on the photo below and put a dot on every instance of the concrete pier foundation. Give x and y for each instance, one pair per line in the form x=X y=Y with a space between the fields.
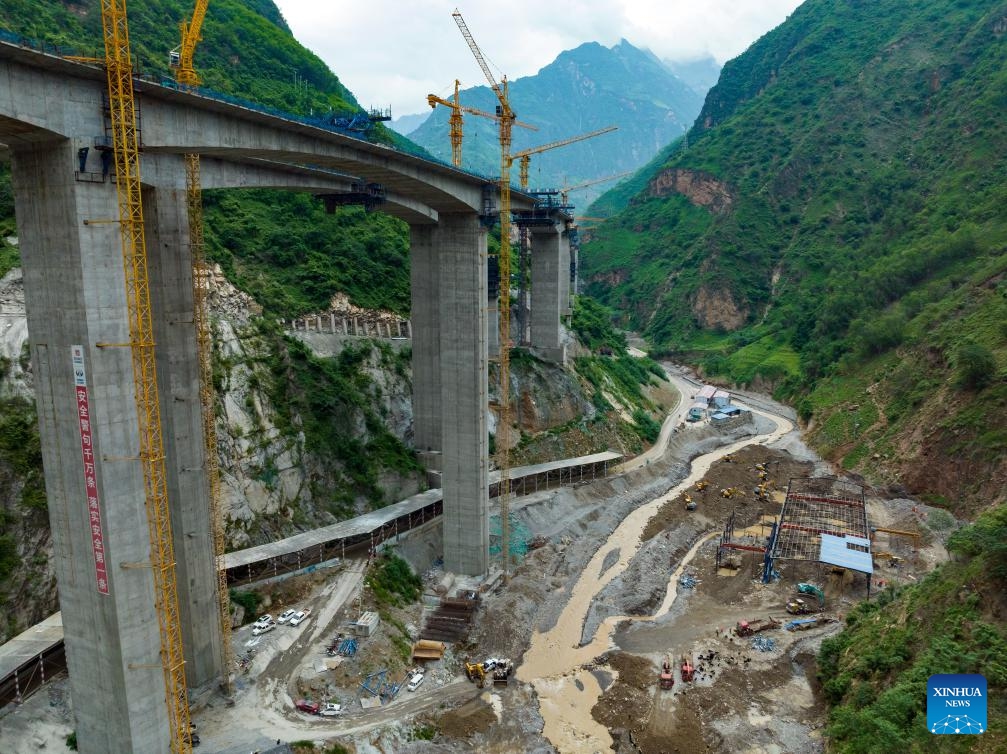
x=77 y=307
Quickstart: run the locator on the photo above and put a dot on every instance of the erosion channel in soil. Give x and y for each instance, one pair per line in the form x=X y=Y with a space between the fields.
x=554 y=661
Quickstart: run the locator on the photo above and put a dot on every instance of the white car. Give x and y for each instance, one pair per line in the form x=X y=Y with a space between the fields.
x=331 y=710
x=260 y=628
x=415 y=681
x=298 y=617
x=264 y=619
x=286 y=615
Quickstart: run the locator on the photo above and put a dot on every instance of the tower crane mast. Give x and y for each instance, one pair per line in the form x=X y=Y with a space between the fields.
x=455 y=121
x=506 y=123
x=126 y=149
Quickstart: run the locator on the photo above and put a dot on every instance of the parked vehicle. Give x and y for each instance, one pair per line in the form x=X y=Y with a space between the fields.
x=415 y=681
x=298 y=617
x=260 y=628
x=286 y=615
x=264 y=619
x=304 y=705
x=331 y=709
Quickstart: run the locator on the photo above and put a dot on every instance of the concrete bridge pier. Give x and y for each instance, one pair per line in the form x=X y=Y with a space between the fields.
x=170 y=268
x=450 y=378
x=550 y=300
x=77 y=320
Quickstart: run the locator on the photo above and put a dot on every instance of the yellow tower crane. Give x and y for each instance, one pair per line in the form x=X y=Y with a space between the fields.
x=201 y=280
x=455 y=121
x=126 y=149
x=181 y=57
x=506 y=123
x=525 y=155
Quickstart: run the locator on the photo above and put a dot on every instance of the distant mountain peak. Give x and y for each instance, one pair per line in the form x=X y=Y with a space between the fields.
x=584 y=89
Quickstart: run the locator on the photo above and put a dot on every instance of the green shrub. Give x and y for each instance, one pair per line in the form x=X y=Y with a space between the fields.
x=249 y=600
x=646 y=427
x=975 y=366
x=393 y=582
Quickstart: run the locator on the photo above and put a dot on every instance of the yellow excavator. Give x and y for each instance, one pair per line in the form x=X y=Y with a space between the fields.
x=476 y=673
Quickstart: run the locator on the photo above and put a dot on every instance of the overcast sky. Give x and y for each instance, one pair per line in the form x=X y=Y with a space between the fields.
x=395 y=52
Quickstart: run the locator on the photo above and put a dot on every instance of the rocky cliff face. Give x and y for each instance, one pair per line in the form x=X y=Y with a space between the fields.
x=700 y=188
x=716 y=309
x=27 y=578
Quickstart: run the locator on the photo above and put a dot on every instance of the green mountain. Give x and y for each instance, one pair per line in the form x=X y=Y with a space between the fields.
x=833 y=227
x=582 y=90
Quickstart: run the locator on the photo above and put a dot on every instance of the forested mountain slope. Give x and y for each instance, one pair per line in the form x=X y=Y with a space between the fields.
x=834 y=227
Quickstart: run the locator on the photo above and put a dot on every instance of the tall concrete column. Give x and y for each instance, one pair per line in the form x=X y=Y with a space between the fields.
x=547 y=274
x=75 y=293
x=170 y=268
x=461 y=246
x=424 y=268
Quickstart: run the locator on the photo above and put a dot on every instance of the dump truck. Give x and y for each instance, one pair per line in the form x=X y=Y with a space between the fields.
x=666 y=680
x=688 y=671
x=750 y=627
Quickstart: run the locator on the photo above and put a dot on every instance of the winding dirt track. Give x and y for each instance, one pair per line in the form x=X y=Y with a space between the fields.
x=553 y=663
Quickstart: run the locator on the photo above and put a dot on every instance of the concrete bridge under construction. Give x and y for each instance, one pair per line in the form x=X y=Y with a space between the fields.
x=53 y=125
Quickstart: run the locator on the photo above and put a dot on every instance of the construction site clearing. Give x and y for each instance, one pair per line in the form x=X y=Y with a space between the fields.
x=726 y=668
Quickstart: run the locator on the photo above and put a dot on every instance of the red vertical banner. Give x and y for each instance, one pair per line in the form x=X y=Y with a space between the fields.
x=90 y=475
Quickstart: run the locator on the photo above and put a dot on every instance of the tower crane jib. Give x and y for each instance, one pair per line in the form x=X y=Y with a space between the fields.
x=525 y=155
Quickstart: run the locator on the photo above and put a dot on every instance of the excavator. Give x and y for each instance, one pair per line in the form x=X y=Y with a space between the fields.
x=690 y=504
x=800 y=607
x=666 y=679
x=688 y=671
x=813 y=590
x=476 y=673
x=702 y=484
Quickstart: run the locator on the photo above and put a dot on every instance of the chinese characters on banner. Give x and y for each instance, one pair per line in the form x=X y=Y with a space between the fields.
x=90 y=476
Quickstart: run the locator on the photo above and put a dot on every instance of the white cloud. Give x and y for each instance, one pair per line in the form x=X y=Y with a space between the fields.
x=390 y=52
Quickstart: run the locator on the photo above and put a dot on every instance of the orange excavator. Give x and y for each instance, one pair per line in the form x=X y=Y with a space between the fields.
x=666 y=680
x=688 y=671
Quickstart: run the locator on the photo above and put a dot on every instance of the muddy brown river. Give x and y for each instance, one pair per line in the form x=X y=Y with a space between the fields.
x=553 y=662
